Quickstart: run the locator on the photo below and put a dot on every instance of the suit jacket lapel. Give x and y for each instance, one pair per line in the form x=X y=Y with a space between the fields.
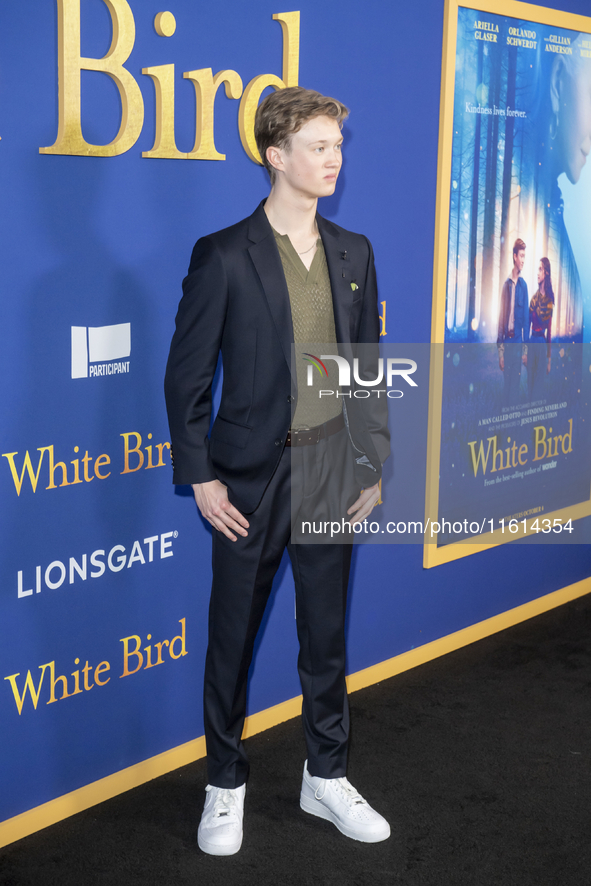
x=267 y=262
x=339 y=271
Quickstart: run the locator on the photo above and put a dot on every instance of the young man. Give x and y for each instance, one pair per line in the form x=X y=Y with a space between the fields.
x=513 y=326
x=282 y=275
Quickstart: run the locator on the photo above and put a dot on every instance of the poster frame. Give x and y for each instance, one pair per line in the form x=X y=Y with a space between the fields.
x=432 y=554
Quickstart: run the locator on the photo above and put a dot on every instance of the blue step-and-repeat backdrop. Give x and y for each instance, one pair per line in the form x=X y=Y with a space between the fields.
x=126 y=133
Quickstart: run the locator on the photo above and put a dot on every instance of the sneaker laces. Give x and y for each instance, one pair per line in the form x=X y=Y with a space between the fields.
x=224 y=803
x=343 y=787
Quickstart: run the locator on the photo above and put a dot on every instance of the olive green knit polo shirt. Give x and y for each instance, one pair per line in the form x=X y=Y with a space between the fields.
x=312 y=315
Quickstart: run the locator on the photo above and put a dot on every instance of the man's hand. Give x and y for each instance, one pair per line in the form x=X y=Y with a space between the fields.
x=212 y=501
x=364 y=505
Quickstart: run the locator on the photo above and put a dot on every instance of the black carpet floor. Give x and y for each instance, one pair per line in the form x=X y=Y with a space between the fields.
x=480 y=761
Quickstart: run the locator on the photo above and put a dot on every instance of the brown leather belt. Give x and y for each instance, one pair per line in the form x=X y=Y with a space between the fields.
x=310 y=436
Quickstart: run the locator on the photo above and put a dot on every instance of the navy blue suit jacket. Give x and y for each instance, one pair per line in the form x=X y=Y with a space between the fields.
x=235 y=299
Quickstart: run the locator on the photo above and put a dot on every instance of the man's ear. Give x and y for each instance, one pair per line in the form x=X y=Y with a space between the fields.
x=556 y=84
x=275 y=158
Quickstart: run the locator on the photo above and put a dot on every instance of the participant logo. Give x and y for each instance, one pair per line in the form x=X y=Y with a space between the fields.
x=100 y=350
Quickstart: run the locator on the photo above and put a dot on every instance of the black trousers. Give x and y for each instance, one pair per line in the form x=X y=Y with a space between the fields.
x=243 y=573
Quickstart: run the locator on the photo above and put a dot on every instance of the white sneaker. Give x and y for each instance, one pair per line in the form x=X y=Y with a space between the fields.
x=220 y=829
x=336 y=800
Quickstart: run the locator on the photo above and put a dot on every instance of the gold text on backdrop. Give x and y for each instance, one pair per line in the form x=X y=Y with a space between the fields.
x=70 y=139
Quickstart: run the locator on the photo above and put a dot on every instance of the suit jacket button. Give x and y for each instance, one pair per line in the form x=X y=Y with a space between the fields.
x=278 y=442
x=289 y=398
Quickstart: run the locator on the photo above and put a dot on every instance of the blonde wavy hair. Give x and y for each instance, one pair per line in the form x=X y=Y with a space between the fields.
x=283 y=113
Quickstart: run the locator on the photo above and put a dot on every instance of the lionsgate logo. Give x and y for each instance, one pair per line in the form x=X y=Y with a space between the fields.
x=386 y=372
x=100 y=350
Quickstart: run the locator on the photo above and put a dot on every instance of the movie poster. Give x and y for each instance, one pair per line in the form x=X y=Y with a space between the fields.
x=513 y=416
